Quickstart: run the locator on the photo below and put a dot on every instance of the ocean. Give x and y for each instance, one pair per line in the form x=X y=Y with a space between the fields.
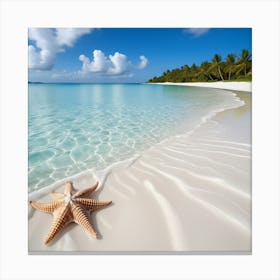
x=75 y=127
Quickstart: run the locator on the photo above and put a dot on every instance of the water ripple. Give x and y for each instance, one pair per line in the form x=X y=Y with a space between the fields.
x=75 y=127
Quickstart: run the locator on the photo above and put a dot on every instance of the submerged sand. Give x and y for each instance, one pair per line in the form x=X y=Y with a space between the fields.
x=190 y=193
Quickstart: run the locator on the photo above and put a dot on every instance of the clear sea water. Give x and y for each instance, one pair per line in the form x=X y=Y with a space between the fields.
x=73 y=127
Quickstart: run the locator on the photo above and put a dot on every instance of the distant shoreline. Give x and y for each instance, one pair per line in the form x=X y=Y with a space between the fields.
x=238 y=86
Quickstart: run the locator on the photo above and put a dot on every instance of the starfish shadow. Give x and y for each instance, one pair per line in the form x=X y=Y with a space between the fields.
x=93 y=220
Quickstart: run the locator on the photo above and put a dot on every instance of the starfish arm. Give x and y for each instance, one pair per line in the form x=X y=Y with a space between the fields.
x=46 y=207
x=69 y=207
x=59 y=222
x=91 y=204
x=85 y=192
x=55 y=195
x=68 y=188
x=81 y=218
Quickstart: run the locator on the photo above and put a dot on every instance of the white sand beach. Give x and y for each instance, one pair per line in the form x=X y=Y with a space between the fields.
x=190 y=193
x=241 y=86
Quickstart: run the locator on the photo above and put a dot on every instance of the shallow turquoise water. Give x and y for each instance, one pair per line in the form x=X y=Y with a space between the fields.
x=73 y=127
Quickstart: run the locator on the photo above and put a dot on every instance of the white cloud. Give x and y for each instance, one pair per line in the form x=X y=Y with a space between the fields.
x=40 y=60
x=69 y=36
x=48 y=42
x=99 y=64
x=116 y=64
x=143 y=63
x=196 y=32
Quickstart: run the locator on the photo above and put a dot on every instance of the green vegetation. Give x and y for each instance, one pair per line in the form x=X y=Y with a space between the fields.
x=234 y=68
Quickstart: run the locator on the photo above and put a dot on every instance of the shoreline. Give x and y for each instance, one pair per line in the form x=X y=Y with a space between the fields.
x=236 y=86
x=124 y=190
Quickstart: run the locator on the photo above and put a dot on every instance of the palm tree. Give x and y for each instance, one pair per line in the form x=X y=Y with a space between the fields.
x=205 y=69
x=230 y=64
x=243 y=61
x=216 y=62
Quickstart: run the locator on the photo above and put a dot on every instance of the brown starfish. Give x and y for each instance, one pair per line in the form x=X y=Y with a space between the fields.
x=70 y=207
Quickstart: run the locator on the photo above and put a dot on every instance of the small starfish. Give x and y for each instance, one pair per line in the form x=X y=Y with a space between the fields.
x=70 y=207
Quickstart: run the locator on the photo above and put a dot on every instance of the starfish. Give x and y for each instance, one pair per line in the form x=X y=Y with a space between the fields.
x=70 y=207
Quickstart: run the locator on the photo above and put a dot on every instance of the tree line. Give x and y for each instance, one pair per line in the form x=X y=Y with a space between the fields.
x=233 y=68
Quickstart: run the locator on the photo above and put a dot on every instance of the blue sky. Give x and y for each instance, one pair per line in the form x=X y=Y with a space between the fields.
x=118 y=55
